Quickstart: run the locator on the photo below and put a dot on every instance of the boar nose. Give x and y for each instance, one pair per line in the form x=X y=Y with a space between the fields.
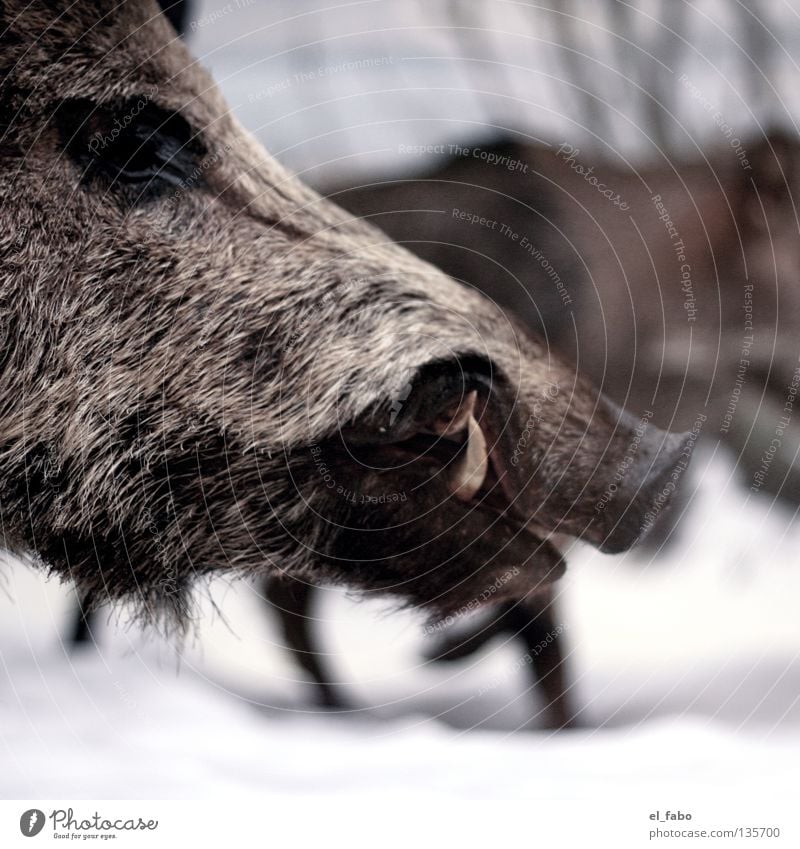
x=645 y=488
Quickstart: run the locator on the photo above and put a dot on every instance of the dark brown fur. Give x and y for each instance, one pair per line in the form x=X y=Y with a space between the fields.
x=632 y=323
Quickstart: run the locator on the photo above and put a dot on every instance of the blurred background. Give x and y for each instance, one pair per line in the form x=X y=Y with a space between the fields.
x=337 y=90
x=683 y=662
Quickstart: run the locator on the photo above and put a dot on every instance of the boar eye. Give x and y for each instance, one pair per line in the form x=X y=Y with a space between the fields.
x=133 y=146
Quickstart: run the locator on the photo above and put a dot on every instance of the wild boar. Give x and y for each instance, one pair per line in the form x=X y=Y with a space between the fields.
x=208 y=368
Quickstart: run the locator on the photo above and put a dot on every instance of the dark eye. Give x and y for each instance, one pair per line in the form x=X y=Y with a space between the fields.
x=133 y=146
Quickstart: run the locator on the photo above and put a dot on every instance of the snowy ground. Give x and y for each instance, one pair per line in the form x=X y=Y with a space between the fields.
x=688 y=670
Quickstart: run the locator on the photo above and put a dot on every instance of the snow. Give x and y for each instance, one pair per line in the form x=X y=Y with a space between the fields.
x=687 y=668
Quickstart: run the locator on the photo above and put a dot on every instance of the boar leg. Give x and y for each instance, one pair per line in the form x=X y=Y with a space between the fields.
x=291 y=600
x=84 y=618
x=533 y=623
x=542 y=635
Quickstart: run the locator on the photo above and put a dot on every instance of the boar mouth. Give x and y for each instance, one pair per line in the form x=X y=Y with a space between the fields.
x=464 y=536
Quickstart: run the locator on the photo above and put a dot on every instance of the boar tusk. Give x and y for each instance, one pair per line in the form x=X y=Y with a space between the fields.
x=472 y=465
x=455 y=423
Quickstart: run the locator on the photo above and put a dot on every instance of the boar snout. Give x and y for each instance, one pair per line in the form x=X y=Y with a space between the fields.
x=642 y=489
x=581 y=466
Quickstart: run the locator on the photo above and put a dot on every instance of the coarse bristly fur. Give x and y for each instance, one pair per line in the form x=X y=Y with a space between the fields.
x=203 y=364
